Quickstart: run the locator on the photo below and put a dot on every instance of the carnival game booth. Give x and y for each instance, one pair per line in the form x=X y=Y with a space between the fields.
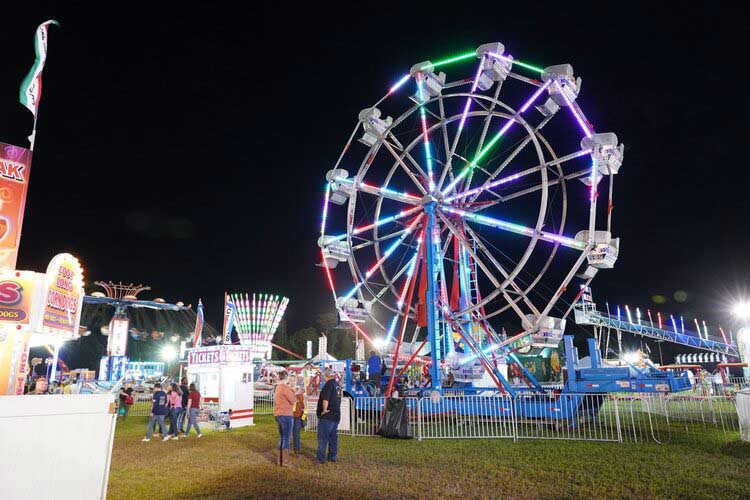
x=224 y=376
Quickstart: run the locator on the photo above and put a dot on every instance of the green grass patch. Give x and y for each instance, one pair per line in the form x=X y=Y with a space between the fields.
x=241 y=464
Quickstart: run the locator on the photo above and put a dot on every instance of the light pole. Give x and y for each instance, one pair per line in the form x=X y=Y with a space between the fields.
x=741 y=311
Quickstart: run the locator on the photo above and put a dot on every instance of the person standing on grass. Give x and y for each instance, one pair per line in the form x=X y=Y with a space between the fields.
x=193 y=407
x=175 y=410
x=158 y=413
x=185 y=391
x=374 y=366
x=329 y=414
x=283 y=412
x=299 y=411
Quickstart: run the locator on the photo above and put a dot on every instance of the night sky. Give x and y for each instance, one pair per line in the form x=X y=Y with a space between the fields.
x=186 y=148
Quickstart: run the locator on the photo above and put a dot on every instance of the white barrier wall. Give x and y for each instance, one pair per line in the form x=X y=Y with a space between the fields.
x=56 y=447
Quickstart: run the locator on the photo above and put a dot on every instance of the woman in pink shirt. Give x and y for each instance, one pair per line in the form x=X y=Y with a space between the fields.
x=174 y=399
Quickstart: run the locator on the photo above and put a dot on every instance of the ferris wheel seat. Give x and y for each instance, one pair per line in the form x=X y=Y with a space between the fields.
x=564 y=86
x=494 y=69
x=546 y=331
x=588 y=273
x=432 y=83
x=374 y=126
x=340 y=190
x=606 y=153
x=605 y=249
x=334 y=250
x=549 y=108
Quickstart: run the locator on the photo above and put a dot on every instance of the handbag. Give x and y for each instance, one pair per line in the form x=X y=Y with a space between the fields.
x=129 y=400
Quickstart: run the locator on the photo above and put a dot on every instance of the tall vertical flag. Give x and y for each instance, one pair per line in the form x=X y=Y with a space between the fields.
x=229 y=309
x=31 y=86
x=198 y=325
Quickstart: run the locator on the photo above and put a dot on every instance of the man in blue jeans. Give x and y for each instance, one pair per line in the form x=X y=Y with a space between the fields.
x=329 y=414
x=158 y=413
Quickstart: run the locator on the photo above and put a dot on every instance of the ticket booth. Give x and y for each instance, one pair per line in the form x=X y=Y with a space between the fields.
x=224 y=376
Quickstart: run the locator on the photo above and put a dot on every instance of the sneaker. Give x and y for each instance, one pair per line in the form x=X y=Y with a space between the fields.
x=145 y=440
x=166 y=438
x=176 y=438
x=200 y=435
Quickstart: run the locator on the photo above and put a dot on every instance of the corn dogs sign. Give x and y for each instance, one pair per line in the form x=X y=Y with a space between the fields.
x=63 y=297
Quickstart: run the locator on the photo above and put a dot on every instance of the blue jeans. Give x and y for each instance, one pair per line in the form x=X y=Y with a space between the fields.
x=174 y=420
x=182 y=419
x=193 y=421
x=295 y=433
x=162 y=425
x=285 y=424
x=328 y=438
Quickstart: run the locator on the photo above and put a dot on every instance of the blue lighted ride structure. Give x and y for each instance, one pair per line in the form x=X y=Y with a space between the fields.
x=583 y=392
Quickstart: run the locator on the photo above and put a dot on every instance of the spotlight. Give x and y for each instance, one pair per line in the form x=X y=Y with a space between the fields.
x=168 y=353
x=631 y=358
x=741 y=310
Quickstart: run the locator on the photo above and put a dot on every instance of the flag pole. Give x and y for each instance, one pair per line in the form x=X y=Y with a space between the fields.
x=30 y=93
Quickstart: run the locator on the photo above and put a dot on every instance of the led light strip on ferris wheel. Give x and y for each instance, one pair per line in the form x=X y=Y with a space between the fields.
x=560 y=84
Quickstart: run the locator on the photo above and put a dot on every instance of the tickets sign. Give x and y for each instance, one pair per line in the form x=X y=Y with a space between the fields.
x=222 y=354
x=63 y=297
x=15 y=163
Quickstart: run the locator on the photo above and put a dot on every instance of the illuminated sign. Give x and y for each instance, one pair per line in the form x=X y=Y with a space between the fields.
x=222 y=354
x=118 y=336
x=14 y=182
x=63 y=297
x=16 y=296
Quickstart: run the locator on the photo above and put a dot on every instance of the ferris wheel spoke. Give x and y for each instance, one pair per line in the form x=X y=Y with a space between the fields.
x=451 y=148
x=405 y=168
x=385 y=256
x=524 y=192
x=508 y=124
x=564 y=285
x=406 y=154
x=513 y=154
x=369 y=243
x=517 y=228
x=509 y=277
x=385 y=220
x=408 y=268
x=383 y=192
x=488 y=186
x=485 y=127
x=499 y=288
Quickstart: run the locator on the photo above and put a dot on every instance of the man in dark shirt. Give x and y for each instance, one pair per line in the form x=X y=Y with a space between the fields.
x=329 y=414
x=158 y=413
x=374 y=366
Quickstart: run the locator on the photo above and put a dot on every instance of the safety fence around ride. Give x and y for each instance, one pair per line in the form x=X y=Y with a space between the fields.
x=625 y=418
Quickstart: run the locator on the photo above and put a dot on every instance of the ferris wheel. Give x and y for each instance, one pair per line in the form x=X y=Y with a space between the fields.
x=465 y=201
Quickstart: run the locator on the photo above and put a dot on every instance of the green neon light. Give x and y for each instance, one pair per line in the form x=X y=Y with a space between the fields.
x=528 y=66
x=454 y=59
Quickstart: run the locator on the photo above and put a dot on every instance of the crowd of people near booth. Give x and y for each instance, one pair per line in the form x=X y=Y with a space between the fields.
x=180 y=403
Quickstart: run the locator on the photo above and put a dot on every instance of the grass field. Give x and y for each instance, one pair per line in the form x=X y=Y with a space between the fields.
x=240 y=464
